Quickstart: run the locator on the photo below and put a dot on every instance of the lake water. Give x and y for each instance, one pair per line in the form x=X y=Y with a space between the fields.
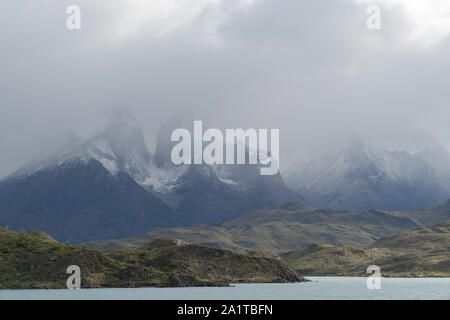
x=323 y=288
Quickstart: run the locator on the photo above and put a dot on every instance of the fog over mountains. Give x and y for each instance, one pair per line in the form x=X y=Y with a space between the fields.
x=106 y=184
x=361 y=174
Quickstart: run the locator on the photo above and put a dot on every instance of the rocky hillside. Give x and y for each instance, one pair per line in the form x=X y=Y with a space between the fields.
x=35 y=260
x=292 y=226
x=280 y=229
x=423 y=252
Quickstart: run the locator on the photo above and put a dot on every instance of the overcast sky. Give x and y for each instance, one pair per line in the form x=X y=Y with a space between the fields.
x=306 y=67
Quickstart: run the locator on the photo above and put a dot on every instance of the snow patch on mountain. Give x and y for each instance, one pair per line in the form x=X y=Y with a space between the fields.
x=362 y=175
x=163 y=180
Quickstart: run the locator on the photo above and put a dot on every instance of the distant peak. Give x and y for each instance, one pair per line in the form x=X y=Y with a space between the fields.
x=117 y=119
x=115 y=139
x=123 y=116
x=163 y=146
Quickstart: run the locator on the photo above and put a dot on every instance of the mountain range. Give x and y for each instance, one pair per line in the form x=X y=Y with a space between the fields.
x=105 y=184
x=292 y=226
x=361 y=174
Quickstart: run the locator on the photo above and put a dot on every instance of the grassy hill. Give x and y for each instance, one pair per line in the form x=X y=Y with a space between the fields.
x=35 y=260
x=280 y=229
x=421 y=252
x=429 y=216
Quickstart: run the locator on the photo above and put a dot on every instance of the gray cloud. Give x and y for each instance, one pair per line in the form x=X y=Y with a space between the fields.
x=309 y=68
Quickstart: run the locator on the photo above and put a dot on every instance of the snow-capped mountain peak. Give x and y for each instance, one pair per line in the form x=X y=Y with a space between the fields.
x=362 y=175
x=116 y=142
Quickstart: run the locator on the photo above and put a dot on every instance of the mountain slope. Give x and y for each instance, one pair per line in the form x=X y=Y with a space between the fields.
x=80 y=201
x=29 y=261
x=105 y=184
x=421 y=252
x=282 y=228
x=363 y=176
x=212 y=193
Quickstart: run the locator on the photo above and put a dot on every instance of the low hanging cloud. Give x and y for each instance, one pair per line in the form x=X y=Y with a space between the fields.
x=428 y=20
x=309 y=68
